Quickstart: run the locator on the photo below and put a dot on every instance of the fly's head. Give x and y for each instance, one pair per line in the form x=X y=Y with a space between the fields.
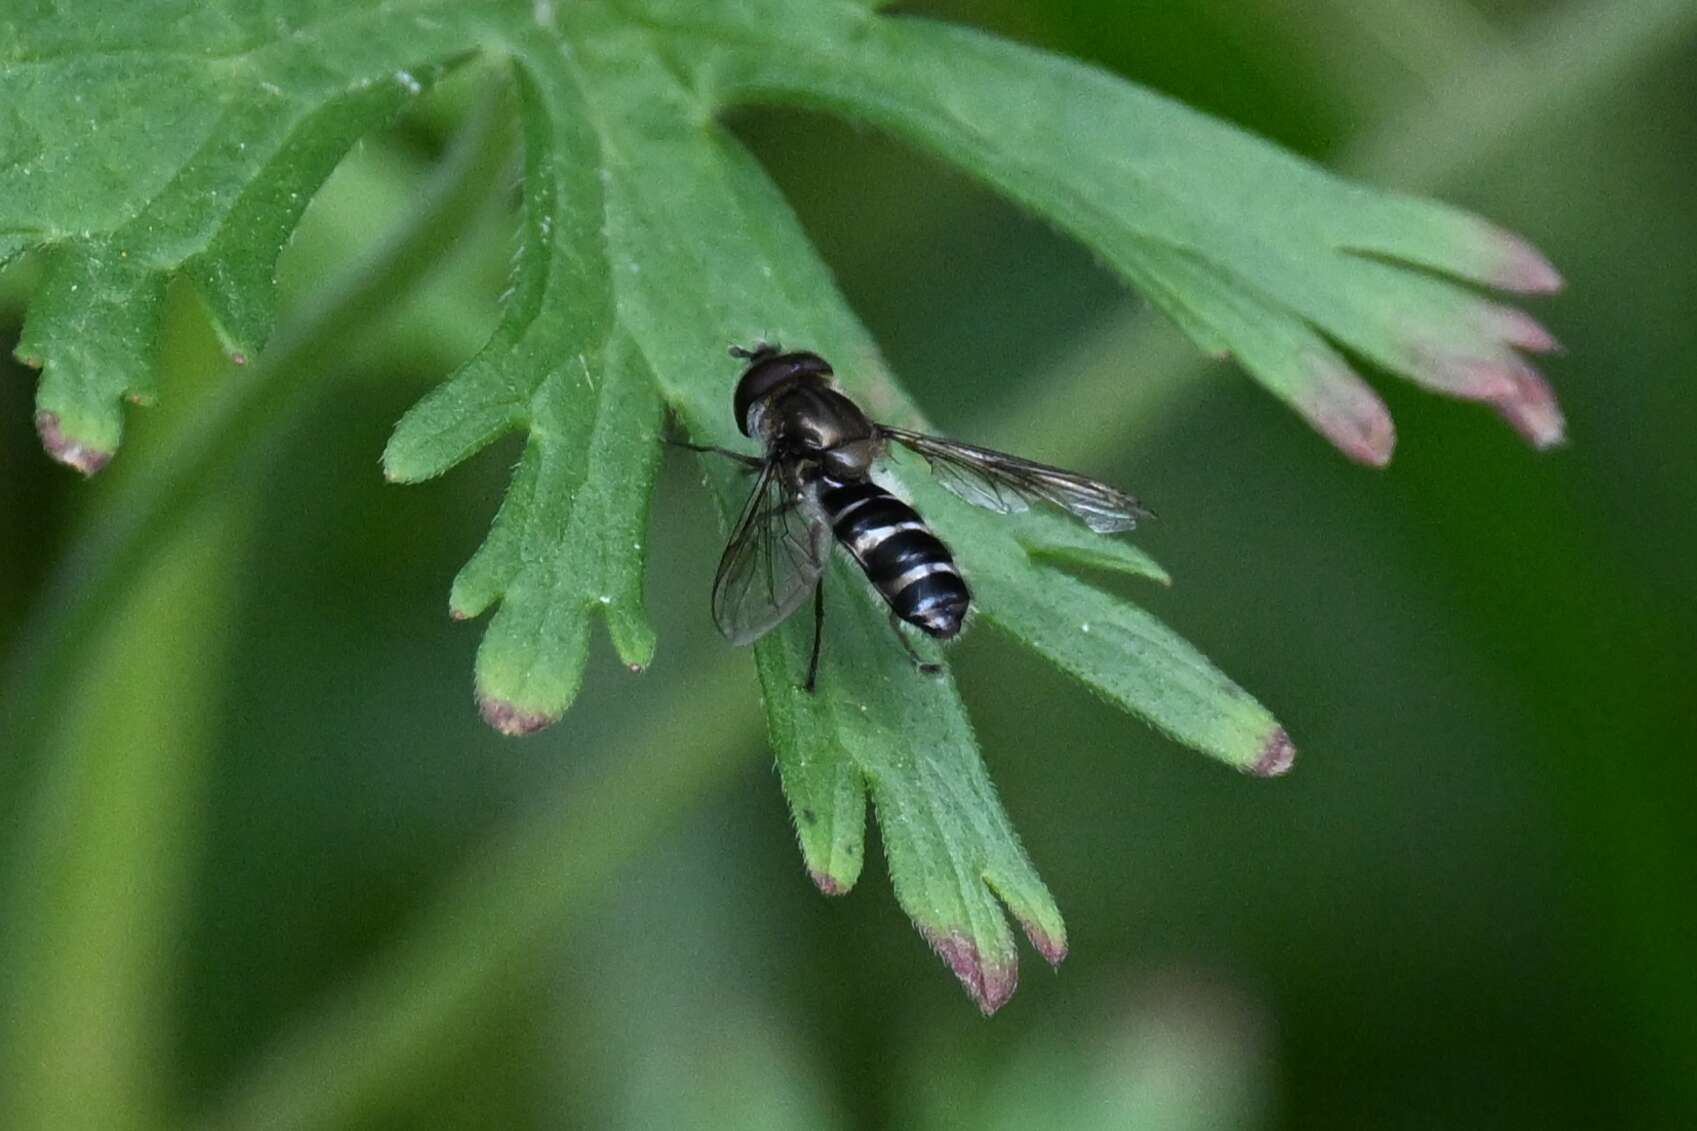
x=768 y=372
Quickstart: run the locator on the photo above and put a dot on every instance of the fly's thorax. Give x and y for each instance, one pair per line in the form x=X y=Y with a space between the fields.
x=851 y=460
x=809 y=419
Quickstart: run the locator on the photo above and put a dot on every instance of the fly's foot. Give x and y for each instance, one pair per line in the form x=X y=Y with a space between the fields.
x=746 y=462
x=920 y=663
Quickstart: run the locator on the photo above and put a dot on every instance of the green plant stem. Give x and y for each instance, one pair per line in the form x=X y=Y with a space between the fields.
x=486 y=939
x=106 y=876
x=72 y=867
x=1434 y=40
x=1564 y=60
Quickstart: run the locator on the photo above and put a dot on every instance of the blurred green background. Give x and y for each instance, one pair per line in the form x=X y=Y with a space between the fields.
x=264 y=864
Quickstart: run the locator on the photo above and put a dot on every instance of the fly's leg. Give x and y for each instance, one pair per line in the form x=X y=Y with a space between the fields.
x=920 y=662
x=752 y=463
x=818 y=633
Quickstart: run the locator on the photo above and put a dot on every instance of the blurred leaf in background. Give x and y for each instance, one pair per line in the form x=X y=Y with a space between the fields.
x=1471 y=906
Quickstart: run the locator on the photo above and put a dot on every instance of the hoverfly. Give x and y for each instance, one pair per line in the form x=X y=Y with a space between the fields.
x=814 y=484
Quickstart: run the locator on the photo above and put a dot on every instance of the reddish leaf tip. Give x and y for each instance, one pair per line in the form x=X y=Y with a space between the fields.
x=1351 y=415
x=990 y=984
x=1053 y=950
x=1518 y=328
x=71 y=453
x=509 y=719
x=1521 y=267
x=1532 y=410
x=238 y=358
x=1372 y=444
x=1277 y=754
x=635 y=669
x=1490 y=380
x=1517 y=391
x=31 y=361
x=826 y=882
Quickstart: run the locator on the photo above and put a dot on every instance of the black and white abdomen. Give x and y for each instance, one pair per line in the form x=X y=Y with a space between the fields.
x=907 y=563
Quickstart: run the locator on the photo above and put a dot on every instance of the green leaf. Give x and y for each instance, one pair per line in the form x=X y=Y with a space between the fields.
x=1250 y=250
x=706 y=252
x=874 y=726
x=187 y=139
x=164 y=138
x=1116 y=649
x=570 y=536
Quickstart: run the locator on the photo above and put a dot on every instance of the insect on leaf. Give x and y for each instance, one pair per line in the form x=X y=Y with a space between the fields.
x=142 y=142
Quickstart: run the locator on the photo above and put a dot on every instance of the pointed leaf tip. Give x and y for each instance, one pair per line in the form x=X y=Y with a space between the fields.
x=1053 y=948
x=988 y=982
x=1531 y=408
x=510 y=720
x=398 y=469
x=70 y=452
x=825 y=882
x=1518 y=328
x=1517 y=391
x=1349 y=413
x=1277 y=755
x=1521 y=267
x=1479 y=379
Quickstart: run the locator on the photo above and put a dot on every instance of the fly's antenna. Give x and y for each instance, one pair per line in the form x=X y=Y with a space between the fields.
x=761 y=351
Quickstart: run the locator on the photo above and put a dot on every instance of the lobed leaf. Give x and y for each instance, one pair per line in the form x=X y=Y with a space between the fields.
x=186 y=138
x=135 y=154
x=570 y=536
x=1251 y=250
x=676 y=183
x=876 y=725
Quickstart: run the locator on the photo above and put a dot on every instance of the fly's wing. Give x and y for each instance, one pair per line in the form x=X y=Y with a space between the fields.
x=774 y=557
x=1003 y=483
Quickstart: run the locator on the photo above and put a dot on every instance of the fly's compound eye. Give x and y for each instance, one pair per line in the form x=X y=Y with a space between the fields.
x=765 y=374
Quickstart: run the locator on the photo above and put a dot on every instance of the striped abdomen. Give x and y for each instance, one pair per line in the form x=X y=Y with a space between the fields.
x=907 y=563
